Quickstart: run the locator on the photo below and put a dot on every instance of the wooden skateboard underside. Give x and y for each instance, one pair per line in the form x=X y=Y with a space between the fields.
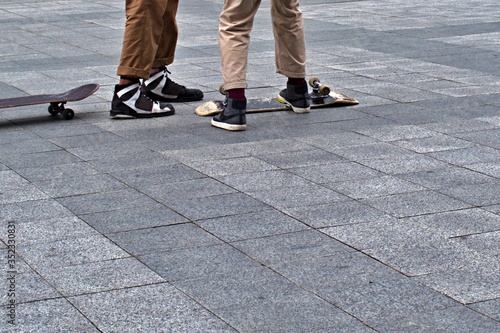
x=253 y=106
x=68 y=96
x=56 y=101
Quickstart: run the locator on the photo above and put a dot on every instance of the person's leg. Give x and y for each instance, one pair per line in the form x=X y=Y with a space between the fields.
x=140 y=43
x=290 y=52
x=143 y=31
x=289 y=37
x=235 y=25
x=159 y=86
x=170 y=33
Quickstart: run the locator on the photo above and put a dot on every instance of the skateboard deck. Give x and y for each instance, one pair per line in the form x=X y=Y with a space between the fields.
x=321 y=97
x=268 y=105
x=56 y=101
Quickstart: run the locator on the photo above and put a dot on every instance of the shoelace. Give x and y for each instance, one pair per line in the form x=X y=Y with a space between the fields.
x=170 y=81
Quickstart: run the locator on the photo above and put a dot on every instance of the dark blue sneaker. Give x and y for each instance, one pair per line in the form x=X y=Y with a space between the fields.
x=297 y=97
x=232 y=118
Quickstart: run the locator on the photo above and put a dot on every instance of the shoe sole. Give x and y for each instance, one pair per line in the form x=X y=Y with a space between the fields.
x=174 y=100
x=120 y=115
x=294 y=108
x=229 y=127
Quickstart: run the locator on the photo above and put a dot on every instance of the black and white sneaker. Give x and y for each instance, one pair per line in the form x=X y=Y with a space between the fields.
x=131 y=102
x=297 y=97
x=232 y=118
x=161 y=88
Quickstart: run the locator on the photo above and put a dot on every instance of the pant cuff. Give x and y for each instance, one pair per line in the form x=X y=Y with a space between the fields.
x=235 y=85
x=132 y=72
x=293 y=75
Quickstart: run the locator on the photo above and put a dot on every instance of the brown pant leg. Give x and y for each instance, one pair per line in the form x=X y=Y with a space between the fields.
x=168 y=41
x=143 y=31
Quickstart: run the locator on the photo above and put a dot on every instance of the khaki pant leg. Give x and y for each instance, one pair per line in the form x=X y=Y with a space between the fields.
x=289 y=36
x=143 y=31
x=235 y=24
x=168 y=42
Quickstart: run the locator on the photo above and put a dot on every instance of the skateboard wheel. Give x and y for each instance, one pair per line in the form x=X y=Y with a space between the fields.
x=314 y=81
x=68 y=114
x=324 y=89
x=52 y=111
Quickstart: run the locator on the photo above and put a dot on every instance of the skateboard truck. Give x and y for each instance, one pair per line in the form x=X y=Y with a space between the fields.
x=58 y=107
x=320 y=91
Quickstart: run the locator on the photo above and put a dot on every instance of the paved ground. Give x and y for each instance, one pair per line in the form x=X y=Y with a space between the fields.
x=383 y=217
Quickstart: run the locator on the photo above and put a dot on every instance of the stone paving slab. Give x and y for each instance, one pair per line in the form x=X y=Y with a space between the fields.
x=380 y=217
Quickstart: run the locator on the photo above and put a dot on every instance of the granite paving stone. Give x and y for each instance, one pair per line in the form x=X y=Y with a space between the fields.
x=306 y=195
x=156 y=307
x=209 y=207
x=226 y=167
x=378 y=233
x=57 y=314
x=265 y=180
x=374 y=187
x=415 y=203
x=101 y=276
x=66 y=187
x=22 y=194
x=30 y=287
x=484 y=243
x=433 y=144
x=121 y=164
x=453 y=319
x=32 y=211
x=458 y=125
x=232 y=289
x=49 y=230
x=328 y=173
x=491 y=169
x=127 y=219
x=488 y=308
x=307 y=244
x=70 y=251
x=183 y=189
x=376 y=150
x=39 y=159
x=446 y=177
x=165 y=238
x=470 y=284
x=458 y=223
x=198 y=263
x=427 y=257
x=336 y=213
x=27 y=147
x=105 y=201
x=378 y=303
x=251 y=225
x=309 y=314
x=166 y=174
x=297 y=159
x=476 y=194
x=62 y=171
x=461 y=157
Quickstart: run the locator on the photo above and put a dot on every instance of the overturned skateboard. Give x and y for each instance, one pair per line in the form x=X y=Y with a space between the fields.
x=321 y=97
x=56 y=101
